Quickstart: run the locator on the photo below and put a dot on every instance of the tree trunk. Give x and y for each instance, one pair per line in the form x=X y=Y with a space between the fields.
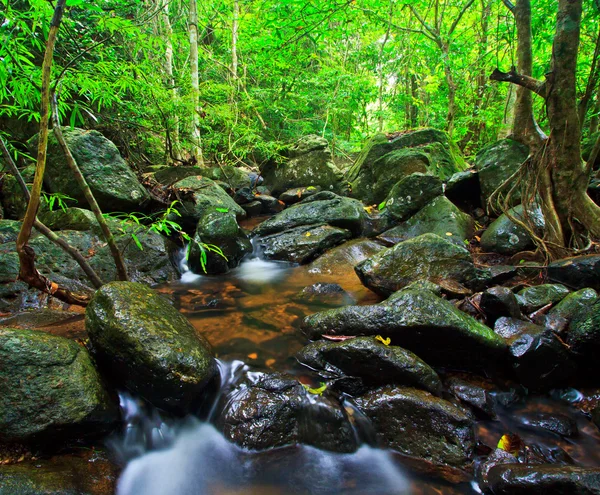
x=197 y=110
x=168 y=36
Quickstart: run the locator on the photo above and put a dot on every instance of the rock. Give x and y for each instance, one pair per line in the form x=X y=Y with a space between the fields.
x=505 y=237
x=292 y=196
x=559 y=424
x=309 y=163
x=112 y=182
x=339 y=212
x=200 y=195
x=498 y=457
x=302 y=244
x=421 y=322
x=325 y=295
x=269 y=204
x=496 y=163
x=222 y=230
x=497 y=302
x=369 y=363
x=69 y=219
x=473 y=394
x=168 y=176
x=523 y=479
x=412 y=193
x=320 y=196
x=420 y=425
x=253 y=209
x=574 y=304
x=13 y=200
x=464 y=191
x=9 y=230
x=348 y=254
x=439 y=217
x=383 y=162
x=244 y=196
x=427 y=257
x=540 y=359
x=270 y=411
x=576 y=273
x=583 y=336
x=533 y=298
x=150 y=265
x=233 y=177
x=148 y=347
x=50 y=390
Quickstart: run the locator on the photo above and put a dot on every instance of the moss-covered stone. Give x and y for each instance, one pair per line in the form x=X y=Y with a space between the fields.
x=439 y=217
x=532 y=298
x=339 y=212
x=574 y=304
x=302 y=244
x=370 y=363
x=496 y=163
x=505 y=237
x=69 y=219
x=9 y=230
x=418 y=424
x=411 y=194
x=50 y=389
x=148 y=347
x=427 y=257
x=222 y=230
x=14 y=203
x=345 y=256
x=584 y=333
x=417 y=320
x=113 y=183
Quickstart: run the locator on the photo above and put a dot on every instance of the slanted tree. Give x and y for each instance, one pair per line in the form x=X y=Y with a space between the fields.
x=555 y=175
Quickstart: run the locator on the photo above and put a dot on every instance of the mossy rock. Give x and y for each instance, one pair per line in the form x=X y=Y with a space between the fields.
x=14 y=203
x=412 y=193
x=50 y=390
x=148 y=347
x=69 y=219
x=532 y=298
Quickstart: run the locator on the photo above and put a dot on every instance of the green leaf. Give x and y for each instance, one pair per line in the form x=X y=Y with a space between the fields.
x=315 y=391
x=137 y=242
x=381 y=205
x=222 y=210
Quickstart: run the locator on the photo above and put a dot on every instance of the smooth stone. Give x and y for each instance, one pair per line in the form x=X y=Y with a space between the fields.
x=537 y=296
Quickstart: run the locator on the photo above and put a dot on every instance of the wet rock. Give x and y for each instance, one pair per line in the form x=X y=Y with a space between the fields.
x=499 y=301
x=427 y=257
x=383 y=162
x=309 y=163
x=412 y=193
x=69 y=219
x=325 y=295
x=244 y=196
x=112 y=182
x=200 y=195
x=233 y=177
x=574 y=303
x=559 y=424
x=439 y=217
x=532 y=298
x=464 y=191
x=145 y=345
x=302 y=244
x=9 y=230
x=497 y=458
x=584 y=335
x=472 y=394
x=366 y=362
x=420 y=425
x=12 y=200
x=292 y=196
x=540 y=359
x=577 y=273
x=496 y=163
x=339 y=212
x=50 y=390
x=421 y=322
x=505 y=237
x=523 y=479
x=253 y=208
x=511 y=328
x=218 y=229
x=425 y=285
x=348 y=254
x=269 y=204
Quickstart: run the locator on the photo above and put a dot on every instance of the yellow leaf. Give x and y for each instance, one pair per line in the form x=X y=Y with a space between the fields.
x=510 y=443
x=383 y=341
x=315 y=391
x=253 y=355
x=308 y=234
x=449 y=234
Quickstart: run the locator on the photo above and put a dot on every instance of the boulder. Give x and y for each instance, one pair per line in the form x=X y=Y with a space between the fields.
x=14 y=203
x=464 y=191
x=383 y=162
x=497 y=302
x=583 y=336
x=496 y=163
x=505 y=237
x=559 y=424
x=69 y=219
x=321 y=294
x=114 y=185
x=367 y=362
x=50 y=390
x=550 y=479
x=269 y=204
x=218 y=229
x=412 y=193
x=302 y=244
x=348 y=254
x=420 y=425
x=167 y=176
x=427 y=257
x=574 y=304
x=439 y=217
x=253 y=209
x=309 y=163
x=576 y=273
x=343 y=213
x=471 y=393
x=146 y=346
x=417 y=320
x=200 y=195
x=537 y=296
x=297 y=194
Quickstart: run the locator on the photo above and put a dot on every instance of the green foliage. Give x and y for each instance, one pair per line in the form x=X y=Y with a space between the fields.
x=317 y=390
x=57 y=199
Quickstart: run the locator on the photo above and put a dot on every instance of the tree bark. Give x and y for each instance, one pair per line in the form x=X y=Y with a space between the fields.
x=196 y=134
x=168 y=30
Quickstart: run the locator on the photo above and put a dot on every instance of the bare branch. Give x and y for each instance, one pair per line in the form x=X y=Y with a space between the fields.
x=435 y=35
x=535 y=85
x=459 y=17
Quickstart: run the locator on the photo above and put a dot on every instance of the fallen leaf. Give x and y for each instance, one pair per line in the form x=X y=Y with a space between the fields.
x=382 y=340
x=308 y=234
x=315 y=391
x=253 y=355
x=270 y=362
x=449 y=234
x=510 y=443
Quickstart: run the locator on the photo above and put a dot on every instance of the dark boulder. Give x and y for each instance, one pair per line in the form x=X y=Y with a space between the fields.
x=146 y=346
x=583 y=336
x=497 y=302
x=576 y=273
x=297 y=194
x=559 y=424
x=503 y=236
x=347 y=255
x=574 y=304
x=412 y=193
x=537 y=296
